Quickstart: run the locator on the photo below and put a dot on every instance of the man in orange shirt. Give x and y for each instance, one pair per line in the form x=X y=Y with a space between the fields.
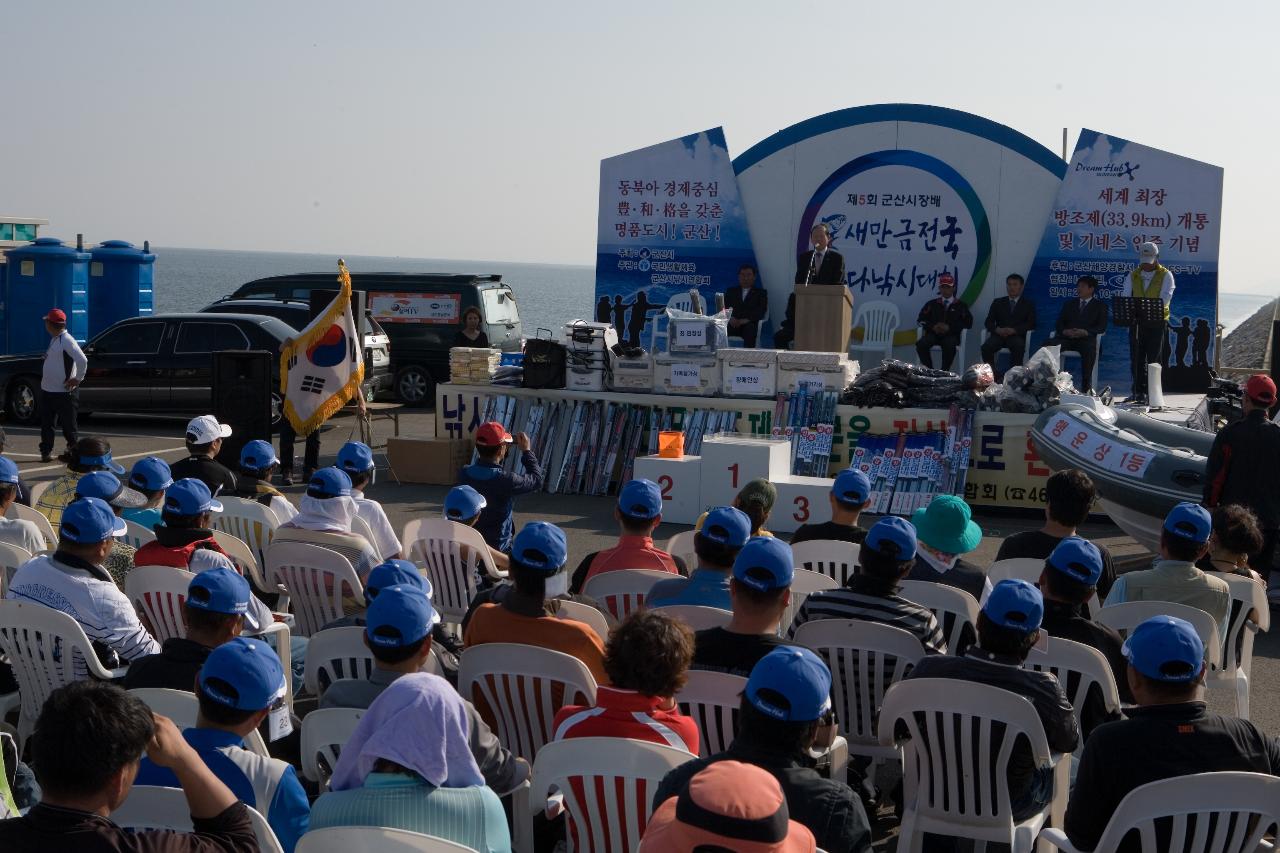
x=517 y=612
x=639 y=512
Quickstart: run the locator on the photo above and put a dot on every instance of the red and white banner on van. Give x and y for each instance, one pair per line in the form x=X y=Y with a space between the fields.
x=415 y=307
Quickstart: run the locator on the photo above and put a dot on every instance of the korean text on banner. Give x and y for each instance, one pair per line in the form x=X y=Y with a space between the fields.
x=324 y=365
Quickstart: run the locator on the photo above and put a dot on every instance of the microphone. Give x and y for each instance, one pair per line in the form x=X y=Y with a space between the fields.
x=813 y=263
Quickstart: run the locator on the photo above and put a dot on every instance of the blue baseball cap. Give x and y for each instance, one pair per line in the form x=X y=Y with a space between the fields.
x=221 y=590
x=1165 y=648
x=89 y=521
x=1078 y=559
x=1190 y=521
x=329 y=482
x=398 y=617
x=463 y=503
x=893 y=537
x=799 y=677
x=640 y=499
x=727 y=525
x=765 y=563
x=394 y=573
x=258 y=454
x=243 y=674
x=851 y=487
x=8 y=471
x=540 y=545
x=151 y=473
x=107 y=486
x=190 y=496
x=104 y=461
x=1015 y=604
x=355 y=457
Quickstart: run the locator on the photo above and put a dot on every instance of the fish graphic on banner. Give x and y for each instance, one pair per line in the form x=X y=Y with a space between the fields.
x=323 y=367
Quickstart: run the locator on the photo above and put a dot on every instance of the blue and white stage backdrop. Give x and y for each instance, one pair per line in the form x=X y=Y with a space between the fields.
x=1115 y=196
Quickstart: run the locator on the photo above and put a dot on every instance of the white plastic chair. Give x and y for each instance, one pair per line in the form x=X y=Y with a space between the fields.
x=11 y=557
x=374 y=839
x=658 y=329
x=626 y=772
x=697 y=617
x=1097 y=357
x=333 y=654
x=247 y=564
x=182 y=707
x=712 y=700
x=584 y=613
x=803 y=584
x=1247 y=595
x=47 y=649
x=960 y=351
x=623 y=591
x=1130 y=614
x=958 y=785
x=954 y=608
x=879 y=321
x=832 y=557
x=137 y=535
x=681 y=545
x=1026 y=348
x=150 y=807
x=37 y=490
x=1021 y=568
x=324 y=733
x=251 y=523
x=1078 y=668
x=1242 y=806
x=158 y=593
x=522 y=687
x=360 y=526
x=437 y=545
x=26 y=513
x=317 y=581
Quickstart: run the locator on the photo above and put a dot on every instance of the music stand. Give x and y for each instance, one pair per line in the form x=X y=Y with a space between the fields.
x=1134 y=312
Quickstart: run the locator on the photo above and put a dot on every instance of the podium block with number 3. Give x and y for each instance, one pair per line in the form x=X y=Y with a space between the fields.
x=801 y=500
x=681 y=484
x=730 y=462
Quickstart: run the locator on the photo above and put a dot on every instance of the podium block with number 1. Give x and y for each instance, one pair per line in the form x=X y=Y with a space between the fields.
x=730 y=462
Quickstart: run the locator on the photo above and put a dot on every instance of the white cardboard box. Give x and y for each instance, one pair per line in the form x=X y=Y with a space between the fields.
x=681 y=484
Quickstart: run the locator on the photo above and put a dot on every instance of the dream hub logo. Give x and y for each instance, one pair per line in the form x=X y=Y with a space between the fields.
x=1111 y=170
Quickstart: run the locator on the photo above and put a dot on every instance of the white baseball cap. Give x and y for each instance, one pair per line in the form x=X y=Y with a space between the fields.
x=205 y=429
x=1148 y=252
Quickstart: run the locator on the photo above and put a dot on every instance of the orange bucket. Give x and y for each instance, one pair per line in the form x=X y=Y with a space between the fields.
x=670 y=444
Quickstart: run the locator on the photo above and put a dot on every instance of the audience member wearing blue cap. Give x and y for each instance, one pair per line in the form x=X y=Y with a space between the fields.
x=522 y=611
x=107 y=487
x=326 y=512
x=946 y=532
x=150 y=476
x=638 y=513
x=463 y=505
x=725 y=530
x=850 y=495
x=240 y=683
x=185 y=539
x=1169 y=733
x=88 y=454
x=871 y=592
x=73 y=581
x=258 y=462
x=218 y=608
x=16 y=531
x=1184 y=540
x=1069 y=582
x=356 y=459
x=1008 y=629
x=785 y=712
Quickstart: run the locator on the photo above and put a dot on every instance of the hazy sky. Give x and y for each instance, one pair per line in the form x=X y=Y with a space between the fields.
x=475 y=130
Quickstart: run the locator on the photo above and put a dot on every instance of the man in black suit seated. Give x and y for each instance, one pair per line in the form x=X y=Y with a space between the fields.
x=1008 y=320
x=942 y=319
x=820 y=265
x=1079 y=324
x=749 y=304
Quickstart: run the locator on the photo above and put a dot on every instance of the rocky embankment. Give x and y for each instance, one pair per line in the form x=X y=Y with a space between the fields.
x=1247 y=344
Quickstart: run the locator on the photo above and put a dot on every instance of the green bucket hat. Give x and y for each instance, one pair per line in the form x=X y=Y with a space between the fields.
x=947 y=525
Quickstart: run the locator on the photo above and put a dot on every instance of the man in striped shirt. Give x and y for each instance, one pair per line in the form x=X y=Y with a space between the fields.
x=870 y=594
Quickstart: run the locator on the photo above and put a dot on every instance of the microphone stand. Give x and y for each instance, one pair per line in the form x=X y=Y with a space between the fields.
x=809 y=274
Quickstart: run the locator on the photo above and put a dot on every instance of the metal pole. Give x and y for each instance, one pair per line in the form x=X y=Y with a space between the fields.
x=1064 y=145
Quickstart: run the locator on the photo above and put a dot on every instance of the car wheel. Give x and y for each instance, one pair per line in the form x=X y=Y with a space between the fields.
x=277 y=408
x=24 y=395
x=415 y=385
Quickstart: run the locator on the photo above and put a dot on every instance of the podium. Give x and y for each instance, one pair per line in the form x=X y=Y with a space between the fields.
x=824 y=315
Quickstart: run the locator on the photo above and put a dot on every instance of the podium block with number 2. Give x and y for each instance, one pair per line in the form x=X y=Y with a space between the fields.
x=730 y=462
x=680 y=482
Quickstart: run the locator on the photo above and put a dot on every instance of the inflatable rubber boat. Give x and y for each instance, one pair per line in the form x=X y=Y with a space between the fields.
x=1142 y=467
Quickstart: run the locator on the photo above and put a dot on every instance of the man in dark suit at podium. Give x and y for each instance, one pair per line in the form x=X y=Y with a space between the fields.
x=942 y=319
x=1079 y=323
x=749 y=305
x=1008 y=320
x=820 y=265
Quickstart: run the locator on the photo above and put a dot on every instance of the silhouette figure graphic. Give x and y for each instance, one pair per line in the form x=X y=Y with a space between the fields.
x=602 y=310
x=619 y=316
x=1182 y=336
x=1201 y=338
x=639 y=318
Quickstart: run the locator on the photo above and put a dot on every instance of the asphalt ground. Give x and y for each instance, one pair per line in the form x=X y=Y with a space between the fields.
x=587 y=521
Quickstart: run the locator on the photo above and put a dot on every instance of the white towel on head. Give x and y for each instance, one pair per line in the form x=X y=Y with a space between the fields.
x=329 y=514
x=419 y=722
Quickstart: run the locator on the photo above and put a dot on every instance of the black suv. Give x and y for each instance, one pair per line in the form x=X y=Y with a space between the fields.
x=161 y=364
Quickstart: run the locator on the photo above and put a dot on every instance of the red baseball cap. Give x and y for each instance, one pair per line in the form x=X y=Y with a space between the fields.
x=57 y=315
x=492 y=434
x=946 y=278
x=1261 y=389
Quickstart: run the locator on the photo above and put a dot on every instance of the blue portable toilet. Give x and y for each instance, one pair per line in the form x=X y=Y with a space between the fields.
x=42 y=275
x=120 y=276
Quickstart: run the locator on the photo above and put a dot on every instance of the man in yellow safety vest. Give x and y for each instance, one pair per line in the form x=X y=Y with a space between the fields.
x=1149 y=280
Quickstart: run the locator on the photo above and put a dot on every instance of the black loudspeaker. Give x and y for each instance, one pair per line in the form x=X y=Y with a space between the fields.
x=242 y=389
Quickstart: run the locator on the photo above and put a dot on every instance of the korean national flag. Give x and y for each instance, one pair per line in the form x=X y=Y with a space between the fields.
x=324 y=365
